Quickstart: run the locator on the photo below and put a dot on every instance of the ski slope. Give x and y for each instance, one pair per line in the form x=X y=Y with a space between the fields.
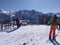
x=28 y=35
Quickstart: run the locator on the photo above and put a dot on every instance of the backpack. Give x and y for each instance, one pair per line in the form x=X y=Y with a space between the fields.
x=54 y=23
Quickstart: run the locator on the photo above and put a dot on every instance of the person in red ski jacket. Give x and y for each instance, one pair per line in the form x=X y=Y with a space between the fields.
x=53 y=22
x=17 y=22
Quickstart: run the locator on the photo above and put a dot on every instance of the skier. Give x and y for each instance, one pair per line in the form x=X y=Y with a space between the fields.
x=17 y=22
x=53 y=22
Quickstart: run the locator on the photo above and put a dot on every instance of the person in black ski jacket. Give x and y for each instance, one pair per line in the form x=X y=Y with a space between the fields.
x=17 y=22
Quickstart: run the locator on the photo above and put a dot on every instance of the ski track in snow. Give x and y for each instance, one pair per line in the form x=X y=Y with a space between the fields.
x=28 y=35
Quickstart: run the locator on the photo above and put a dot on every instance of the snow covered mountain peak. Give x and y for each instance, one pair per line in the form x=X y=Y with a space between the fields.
x=3 y=11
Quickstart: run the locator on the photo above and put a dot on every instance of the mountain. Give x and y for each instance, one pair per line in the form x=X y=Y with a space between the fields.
x=31 y=15
x=5 y=15
x=4 y=11
x=34 y=16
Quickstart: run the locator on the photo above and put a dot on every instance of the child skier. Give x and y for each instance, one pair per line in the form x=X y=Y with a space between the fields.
x=53 y=22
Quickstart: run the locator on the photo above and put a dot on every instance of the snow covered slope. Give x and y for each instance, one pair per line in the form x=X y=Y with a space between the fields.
x=27 y=35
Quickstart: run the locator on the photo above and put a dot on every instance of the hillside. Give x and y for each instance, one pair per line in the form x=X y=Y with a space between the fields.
x=35 y=17
x=28 y=35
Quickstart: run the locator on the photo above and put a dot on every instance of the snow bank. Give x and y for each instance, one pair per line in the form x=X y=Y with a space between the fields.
x=27 y=35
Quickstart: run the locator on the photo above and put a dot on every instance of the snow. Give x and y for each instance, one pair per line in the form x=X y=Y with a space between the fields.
x=58 y=15
x=28 y=35
x=4 y=11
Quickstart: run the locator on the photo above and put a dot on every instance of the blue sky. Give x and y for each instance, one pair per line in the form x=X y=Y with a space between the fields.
x=39 y=5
